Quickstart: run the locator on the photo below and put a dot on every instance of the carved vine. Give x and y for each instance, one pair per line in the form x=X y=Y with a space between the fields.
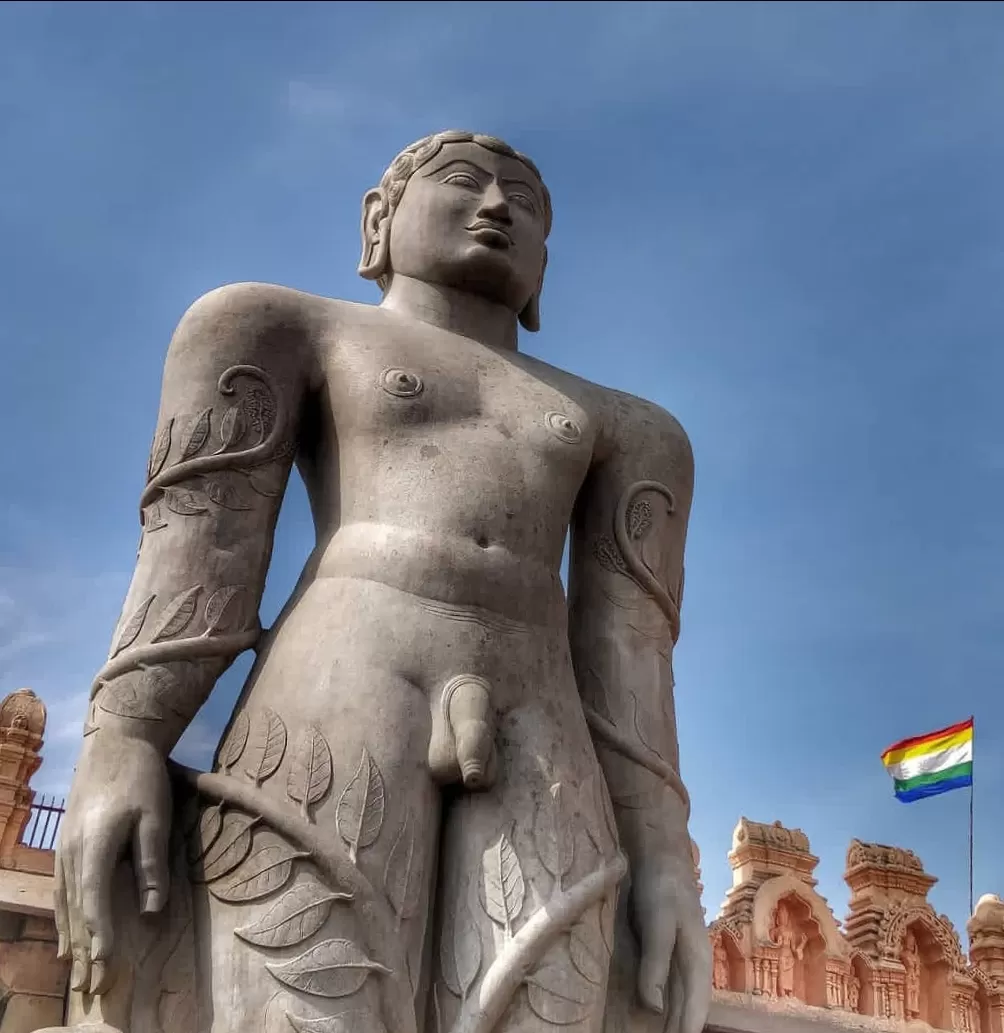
x=252 y=434
x=246 y=846
x=562 y=988
x=258 y=416
x=632 y=521
x=635 y=748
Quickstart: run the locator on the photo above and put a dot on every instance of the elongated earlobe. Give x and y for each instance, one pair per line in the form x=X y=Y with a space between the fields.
x=529 y=318
x=375 y=231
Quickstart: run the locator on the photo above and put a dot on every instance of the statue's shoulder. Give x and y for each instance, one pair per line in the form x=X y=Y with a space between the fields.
x=636 y=422
x=263 y=302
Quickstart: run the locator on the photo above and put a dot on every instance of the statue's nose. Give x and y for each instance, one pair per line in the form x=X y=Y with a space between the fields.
x=494 y=204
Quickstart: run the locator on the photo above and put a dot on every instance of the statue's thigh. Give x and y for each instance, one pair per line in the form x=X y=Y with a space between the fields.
x=511 y=939
x=348 y=831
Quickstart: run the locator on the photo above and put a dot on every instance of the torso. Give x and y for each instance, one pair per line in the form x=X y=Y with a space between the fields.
x=458 y=465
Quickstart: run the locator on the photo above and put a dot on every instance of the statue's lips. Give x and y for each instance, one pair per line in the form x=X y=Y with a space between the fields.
x=490 y=235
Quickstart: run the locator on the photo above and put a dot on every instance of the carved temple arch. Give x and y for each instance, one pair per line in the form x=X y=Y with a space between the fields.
x=730 y=939
x=896 y=922
x=771 y=893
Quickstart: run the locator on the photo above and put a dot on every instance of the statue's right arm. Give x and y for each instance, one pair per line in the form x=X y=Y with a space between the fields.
x=236 y=374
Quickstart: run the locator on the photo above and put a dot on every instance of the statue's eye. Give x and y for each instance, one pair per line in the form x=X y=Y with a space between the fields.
x=524 y=201
x=463 y=179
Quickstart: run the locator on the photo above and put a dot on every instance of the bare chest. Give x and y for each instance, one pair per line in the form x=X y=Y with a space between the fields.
x=430 y=389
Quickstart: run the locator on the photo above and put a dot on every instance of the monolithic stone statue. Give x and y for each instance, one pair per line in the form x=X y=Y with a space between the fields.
x=427 y=802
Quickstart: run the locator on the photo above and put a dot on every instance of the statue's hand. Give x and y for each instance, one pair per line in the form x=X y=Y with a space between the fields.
x=121 y=796
x=675 y=948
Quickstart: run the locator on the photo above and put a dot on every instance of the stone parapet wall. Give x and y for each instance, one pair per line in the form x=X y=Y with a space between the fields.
x=777 y=945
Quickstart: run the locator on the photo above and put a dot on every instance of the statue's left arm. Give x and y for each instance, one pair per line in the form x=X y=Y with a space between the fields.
x=626 y=581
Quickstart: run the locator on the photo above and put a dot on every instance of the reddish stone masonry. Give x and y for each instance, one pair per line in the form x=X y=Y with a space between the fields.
x=894 y=959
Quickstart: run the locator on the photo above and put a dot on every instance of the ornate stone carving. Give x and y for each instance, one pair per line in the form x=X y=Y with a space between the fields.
x=22 y=726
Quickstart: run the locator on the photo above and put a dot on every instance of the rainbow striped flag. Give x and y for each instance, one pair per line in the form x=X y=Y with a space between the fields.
x=927 y=765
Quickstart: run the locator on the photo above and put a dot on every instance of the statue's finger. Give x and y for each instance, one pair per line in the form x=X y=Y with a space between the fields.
x=99 y=859
x=656 y=925
x=677 y=991
x=60 y=910
x=150 y=858
x=80 y=974
x=695 y=963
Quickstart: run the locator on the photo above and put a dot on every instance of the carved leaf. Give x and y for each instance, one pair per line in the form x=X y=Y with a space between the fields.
x=267 y=482
x=233 y=748
x=138 y=694
x=184 y=501
x=355 y=1021
x=584 y=945
x=222 y=612
x=197 y=436
x=260 y=409
x=361 y=807
x=206 y=832
x=265 y=871
x=132 y=627
x=177 y=614
x=230 y=848
x=232 y=427
x=503 y=883
x=310 y=772
x=609 y=556
x=161 y=446
x=153 y=519
x=639 y=518
x=554 y=834
x=226 y=492
x=268 y=744
x=294 y=917
x=331 y=968
x=402 y=876
x=557 y=994
x=466 y=950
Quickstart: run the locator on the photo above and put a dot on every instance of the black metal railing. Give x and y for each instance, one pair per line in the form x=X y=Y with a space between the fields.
x=43 y=822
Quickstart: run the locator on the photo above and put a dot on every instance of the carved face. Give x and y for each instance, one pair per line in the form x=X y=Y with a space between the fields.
x=474 y=220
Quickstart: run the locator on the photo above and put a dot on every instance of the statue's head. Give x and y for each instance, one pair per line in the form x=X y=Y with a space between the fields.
x=461 y=210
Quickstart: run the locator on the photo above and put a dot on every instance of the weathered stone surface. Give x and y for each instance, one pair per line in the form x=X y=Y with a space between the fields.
x=427 y=698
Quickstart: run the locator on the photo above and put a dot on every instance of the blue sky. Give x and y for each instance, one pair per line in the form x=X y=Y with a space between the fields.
x=782 y=222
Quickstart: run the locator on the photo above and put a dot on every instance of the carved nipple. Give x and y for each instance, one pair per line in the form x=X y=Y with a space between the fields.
x=563 y=427
x=401 y=383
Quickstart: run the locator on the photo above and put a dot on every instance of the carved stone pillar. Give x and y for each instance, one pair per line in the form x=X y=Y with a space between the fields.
x=22 y=725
